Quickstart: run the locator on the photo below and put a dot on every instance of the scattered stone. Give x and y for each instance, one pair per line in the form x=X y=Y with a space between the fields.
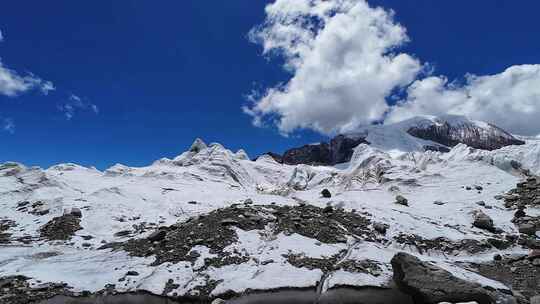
x=132 y=273
x=520 y=213
x=529 y=229
x=481 y=203
x=402 y=200
x=76 y=212
x=534 y=254
x=440 y=203
x=326 y=193
x=479 y=188
x=483 y=221
x=192 y=202
x=380 y=227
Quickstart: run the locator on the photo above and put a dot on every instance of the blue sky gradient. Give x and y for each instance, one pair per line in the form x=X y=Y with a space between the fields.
x=163 y=73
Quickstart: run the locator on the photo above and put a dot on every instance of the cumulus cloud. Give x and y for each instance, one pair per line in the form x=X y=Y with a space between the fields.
x=510 y=99
x=74 y=104
x=344 y=63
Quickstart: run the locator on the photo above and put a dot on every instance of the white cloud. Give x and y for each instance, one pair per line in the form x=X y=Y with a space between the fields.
x=510 y=99
x=74 y=104
x=8 y=125
x=13 y=84
x=343 y=60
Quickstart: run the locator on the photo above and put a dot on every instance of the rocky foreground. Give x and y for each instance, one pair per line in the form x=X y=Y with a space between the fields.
x=210 y=224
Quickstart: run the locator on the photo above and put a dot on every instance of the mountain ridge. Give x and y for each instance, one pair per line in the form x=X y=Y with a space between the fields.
x=421 y=133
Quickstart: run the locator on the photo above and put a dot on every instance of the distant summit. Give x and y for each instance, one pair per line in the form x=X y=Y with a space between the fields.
x=425 y=133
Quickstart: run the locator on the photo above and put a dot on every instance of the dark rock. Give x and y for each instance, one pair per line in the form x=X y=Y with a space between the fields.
x=526 y=228
x=534 y=254
x=430 y=284
x=339 y=150
x=481 y=203
x=122 y=233
x=483 y=221
x=479 y=188
x=192 y=202
x=76 y=212
x=132 y=273
x=402 y=200
x=441 y=149
x=497 y=257
x=61 y=227
x=328 y=209
x=380 y=227
x=520 y=213
x=157 y=235
x=326 y=193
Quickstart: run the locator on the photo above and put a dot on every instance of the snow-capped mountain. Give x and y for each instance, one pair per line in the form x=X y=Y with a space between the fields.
x=415 y=134
x=213 y=223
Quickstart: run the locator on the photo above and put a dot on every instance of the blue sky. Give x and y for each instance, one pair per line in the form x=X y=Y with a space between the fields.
x=163 y=74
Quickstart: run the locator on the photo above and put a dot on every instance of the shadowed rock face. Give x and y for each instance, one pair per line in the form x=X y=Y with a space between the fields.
x=339 y=150
x=429 y=284
x=491 y=138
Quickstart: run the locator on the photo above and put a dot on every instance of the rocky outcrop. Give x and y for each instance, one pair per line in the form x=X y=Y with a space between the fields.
x=314 y=154
x=454 y=131
x=428 y=283
x=339 y=150
x=61 y=227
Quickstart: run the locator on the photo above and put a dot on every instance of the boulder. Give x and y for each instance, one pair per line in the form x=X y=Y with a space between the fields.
x=402 y=200
x=326 y=193
x=380 y=227
x=430 y=284
x=483 y=221
x=527 y=228
x=76 y=212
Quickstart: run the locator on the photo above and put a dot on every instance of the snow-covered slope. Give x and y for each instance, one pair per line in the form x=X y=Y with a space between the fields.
x=241 y=224
x=423 y=133
x=431 y=132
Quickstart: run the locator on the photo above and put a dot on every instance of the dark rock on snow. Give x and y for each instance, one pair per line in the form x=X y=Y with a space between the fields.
x=402 y=200
x=428 y=283
x=483 y=221
x=326 y=193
